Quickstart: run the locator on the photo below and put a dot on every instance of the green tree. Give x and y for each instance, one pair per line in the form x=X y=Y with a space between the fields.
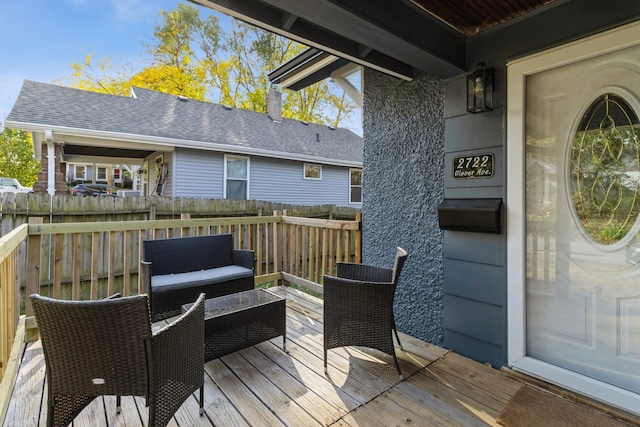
x=238 y=62
x=16 y=156
x=172 y=80
x=193 y=57
x=98 y=77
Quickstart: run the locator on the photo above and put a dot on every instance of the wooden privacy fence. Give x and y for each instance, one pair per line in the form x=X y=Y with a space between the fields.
x=16 y=209
x=82 y=261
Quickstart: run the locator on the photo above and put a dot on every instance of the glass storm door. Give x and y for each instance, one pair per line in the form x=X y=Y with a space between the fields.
x=582 y=210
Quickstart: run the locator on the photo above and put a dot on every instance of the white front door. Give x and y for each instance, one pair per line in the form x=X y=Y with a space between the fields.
x=576 y=220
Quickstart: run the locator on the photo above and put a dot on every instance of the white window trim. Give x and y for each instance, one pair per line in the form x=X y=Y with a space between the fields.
x=75 y=172
x=517 y=72
x=304 y=171
x=350 y=186
x=224 y=175
x=106 y=173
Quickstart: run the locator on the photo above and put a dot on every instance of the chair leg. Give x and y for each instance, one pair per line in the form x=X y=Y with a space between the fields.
x=395 y=360
x=325 y=361
x=395 y=331
x=118 y=404
x=202 y=399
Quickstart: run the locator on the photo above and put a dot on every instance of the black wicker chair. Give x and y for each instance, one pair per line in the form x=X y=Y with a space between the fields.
x=107 y=347
x=358 y=307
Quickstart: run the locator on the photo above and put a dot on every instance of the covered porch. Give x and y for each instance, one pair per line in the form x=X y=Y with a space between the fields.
x=264 y=385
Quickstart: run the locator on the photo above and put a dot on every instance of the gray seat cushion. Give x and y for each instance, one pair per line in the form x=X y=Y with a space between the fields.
x=227 y=273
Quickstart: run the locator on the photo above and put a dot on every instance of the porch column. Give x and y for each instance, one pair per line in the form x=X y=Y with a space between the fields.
x=51 y=178
x=51 y=168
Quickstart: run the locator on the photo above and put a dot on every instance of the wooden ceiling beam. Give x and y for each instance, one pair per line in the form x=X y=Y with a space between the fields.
x=332 y=28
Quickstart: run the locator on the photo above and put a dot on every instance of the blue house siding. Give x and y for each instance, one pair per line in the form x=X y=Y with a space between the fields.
x=201 y=174
x=475 y=263
x=198 y=173
x=402 y=186
x=282 y=181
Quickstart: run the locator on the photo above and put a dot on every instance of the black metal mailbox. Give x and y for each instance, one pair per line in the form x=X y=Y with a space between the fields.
x=476 y=215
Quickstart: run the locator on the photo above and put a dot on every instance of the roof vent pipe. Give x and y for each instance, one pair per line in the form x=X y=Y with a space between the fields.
x=317 y=137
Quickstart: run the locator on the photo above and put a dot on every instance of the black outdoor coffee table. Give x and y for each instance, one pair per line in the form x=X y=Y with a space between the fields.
x=236 y=321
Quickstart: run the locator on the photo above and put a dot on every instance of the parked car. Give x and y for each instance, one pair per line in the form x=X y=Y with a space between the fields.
x=12 y=185
x=84 y=190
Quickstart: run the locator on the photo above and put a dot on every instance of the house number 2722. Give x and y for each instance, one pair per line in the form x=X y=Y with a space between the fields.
x=469 y=167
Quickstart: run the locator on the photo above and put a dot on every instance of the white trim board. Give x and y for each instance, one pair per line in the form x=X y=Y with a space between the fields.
x=517 y=72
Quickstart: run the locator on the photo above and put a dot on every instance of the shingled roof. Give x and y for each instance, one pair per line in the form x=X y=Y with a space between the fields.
x=149 y=116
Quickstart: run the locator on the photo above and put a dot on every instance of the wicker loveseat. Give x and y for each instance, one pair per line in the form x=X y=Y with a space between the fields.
x=176 y=270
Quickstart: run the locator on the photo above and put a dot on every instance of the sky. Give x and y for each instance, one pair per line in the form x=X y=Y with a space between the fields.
x=39 y=39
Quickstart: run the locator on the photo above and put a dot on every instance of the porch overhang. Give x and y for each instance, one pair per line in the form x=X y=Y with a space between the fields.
x=396 y=37
x=311 y=66
x=352 y=30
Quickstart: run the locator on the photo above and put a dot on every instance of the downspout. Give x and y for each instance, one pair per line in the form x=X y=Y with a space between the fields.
x=51 y=162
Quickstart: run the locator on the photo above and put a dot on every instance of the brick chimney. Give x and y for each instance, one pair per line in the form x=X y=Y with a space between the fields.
x=274 y=104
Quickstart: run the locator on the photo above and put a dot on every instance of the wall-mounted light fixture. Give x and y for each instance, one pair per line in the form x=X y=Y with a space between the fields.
x=480 y=90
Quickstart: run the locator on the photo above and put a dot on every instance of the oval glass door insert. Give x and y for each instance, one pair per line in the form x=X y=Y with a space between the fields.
x=605 y=170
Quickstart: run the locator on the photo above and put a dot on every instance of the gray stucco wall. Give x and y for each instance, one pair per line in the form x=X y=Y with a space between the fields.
x=403 y=183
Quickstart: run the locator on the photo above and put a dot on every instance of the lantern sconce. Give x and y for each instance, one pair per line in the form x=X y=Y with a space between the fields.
x=480 y=90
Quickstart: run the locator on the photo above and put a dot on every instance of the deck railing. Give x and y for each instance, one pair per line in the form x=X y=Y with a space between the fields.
x=91 y=260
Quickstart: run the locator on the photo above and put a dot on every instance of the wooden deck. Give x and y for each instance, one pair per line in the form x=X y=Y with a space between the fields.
x=265 y=386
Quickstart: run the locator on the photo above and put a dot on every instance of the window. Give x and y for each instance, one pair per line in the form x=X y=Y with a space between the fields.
x=603 y=161
x=236 y=171
x=355 y=185
x=101 y=174
x=117 y=175
x=79 y=172
x=312 y=171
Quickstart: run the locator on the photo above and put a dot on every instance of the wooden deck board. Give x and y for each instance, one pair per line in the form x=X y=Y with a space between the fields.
x=265 y=389
x=254 y=411
x=395 y=410
x=264 y=385
x=27 y=398
x=218 y=408
x=311 y=402
x=475 y=380
x=454 y=398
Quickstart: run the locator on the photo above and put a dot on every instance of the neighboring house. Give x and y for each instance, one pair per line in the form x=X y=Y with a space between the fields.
x=100 y=173
x=187 y=148
x=553 y=291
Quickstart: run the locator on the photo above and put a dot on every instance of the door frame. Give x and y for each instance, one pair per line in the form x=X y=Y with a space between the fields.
x=517 y=72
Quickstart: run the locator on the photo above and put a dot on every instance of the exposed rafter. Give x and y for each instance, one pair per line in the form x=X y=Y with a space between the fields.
x=328 y=27
x=396 y=37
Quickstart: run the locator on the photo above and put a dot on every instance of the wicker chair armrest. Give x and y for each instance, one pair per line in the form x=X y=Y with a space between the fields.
x=243 y=258
x=363 y=272
x=145 y=271
x=184 y=321
x=114 y=296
